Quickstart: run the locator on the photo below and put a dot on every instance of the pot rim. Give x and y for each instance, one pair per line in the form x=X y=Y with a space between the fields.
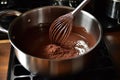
x=45 y=7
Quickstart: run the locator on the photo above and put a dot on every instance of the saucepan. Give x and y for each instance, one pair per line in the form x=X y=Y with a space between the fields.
x=42 y=17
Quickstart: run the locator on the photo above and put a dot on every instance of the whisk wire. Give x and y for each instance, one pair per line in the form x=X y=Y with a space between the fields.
x=61 y=28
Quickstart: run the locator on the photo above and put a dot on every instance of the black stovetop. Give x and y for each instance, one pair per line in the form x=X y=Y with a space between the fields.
x=100 y=69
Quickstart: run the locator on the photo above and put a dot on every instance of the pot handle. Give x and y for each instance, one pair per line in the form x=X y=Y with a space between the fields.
x=8 y=13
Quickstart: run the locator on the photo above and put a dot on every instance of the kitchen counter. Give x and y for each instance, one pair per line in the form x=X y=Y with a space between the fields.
x=112 y=40
x=4 y=58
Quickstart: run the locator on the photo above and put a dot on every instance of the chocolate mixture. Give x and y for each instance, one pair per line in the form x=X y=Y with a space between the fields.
x=53 y=51
x=77 y=44
x=36 y=43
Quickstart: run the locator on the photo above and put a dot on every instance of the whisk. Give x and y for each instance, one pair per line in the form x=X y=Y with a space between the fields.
x=61 y=28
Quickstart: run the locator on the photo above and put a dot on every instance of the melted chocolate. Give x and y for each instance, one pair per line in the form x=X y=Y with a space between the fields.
x=36 y=42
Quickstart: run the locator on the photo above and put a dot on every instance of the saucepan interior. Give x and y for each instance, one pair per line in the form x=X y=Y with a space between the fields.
x=40 y=19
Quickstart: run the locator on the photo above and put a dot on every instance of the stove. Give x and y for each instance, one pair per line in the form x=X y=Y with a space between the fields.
x=101 y=68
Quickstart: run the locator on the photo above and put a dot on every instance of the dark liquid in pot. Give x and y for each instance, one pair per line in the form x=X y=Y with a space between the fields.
x=36 y=39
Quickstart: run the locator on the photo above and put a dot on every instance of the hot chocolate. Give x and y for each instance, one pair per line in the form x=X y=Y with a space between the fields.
x=36 y=42
x=78 y=43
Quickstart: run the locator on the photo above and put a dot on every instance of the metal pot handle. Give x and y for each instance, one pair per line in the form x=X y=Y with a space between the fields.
x=8 y=13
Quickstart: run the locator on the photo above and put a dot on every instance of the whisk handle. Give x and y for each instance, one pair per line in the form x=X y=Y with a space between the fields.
x=79 y=7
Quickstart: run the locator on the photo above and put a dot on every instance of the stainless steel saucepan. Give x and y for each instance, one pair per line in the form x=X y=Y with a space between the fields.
x=46 y=15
